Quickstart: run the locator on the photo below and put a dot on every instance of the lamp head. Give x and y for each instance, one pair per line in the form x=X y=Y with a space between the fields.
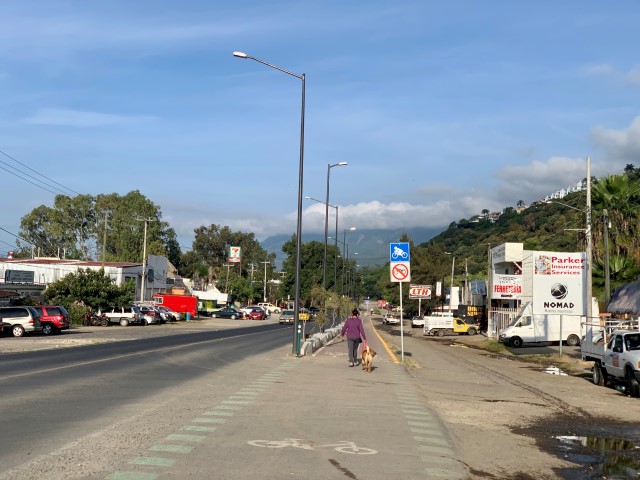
x=342 y=164
x=240 y=54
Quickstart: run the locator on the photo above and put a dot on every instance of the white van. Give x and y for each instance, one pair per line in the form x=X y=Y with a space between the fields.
x=529 y=328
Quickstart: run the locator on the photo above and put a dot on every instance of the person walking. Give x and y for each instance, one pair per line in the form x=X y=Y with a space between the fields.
x=355 y=334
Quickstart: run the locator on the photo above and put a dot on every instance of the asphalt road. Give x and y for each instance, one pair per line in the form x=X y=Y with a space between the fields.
x=53 y=397
x=233 y=403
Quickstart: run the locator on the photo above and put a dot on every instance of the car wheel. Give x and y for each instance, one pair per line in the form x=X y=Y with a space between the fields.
x=598 y=375
x=17 y=331
x=573 y=341
x=145 y=322
x=124 y=322
x=472 y=331
x=516 y=342
x=233 y=317
x=441 y=333
x=632 y=384
x=47 y=329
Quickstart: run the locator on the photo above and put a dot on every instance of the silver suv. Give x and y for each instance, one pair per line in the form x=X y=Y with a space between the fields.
x=20 y=320
x=123 y=315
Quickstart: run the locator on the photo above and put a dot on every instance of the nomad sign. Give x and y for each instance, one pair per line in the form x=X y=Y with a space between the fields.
x=420 y=291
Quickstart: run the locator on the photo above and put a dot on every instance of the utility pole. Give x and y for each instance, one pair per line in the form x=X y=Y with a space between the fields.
x=467 y=297
x=104 y=239
x=226 y=284
x=607 y=272
x=266 y=262
x=589 y=289
x=143 y=287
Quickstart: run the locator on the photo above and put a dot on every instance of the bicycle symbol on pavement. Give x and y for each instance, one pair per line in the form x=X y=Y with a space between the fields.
x=342 y=446
x=399 y=253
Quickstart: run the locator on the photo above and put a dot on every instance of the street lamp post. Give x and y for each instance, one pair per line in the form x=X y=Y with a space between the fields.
x=453 y=264
x=344 y=258
x=296 y=307
x=326 y=221
x=266 y=262
x=335 y=257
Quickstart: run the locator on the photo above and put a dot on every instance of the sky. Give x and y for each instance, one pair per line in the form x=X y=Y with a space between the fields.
x=440 y=109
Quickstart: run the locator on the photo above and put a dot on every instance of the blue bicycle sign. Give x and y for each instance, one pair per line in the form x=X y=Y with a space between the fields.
x=399 y=252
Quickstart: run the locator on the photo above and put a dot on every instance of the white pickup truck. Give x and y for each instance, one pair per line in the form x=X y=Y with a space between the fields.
x=614 y=349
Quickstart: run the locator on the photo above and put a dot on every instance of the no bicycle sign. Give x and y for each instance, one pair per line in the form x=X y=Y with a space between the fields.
x=400 y=272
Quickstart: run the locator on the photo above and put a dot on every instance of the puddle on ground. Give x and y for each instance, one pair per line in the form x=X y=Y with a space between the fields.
x=603 y=454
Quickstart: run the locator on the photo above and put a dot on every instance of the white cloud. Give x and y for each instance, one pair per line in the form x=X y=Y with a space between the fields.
x=620 y=146
x=601 y=69
x=77 y=118
x=634 y=76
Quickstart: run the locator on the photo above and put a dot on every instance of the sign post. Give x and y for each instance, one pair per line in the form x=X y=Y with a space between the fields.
x=400 y=266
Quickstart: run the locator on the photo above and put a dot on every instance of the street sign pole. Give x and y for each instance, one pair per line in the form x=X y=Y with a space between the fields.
x=400 y=271
x=401 y=327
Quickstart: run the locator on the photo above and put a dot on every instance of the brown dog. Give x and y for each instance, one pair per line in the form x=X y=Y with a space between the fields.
x=367 y=358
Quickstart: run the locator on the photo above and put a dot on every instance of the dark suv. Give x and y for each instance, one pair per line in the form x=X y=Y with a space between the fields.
x=53 y=319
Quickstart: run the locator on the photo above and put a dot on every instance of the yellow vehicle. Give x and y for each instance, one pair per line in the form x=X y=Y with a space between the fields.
x=442 y=326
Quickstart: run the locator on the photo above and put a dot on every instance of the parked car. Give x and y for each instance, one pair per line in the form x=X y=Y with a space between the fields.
x=250 y=308
x=150 y=315
x=257 y=314
x=20 y=320
x=53 y=319
x=168 y=314
x=286 y=316
x=314 y=311
x=269 y=307
x=123 y=315
x=228 y=312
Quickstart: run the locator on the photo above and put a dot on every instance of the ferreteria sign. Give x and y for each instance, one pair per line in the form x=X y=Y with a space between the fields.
x=507 y=286
x=558 y=283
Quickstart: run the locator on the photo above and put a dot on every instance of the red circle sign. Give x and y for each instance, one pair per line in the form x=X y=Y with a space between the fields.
x=399 y=272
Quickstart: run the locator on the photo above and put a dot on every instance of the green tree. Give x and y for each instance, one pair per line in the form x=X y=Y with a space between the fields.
x=93 y=288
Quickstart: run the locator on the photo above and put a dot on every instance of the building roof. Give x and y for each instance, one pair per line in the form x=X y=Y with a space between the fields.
x=59 y=261
x=626 y=299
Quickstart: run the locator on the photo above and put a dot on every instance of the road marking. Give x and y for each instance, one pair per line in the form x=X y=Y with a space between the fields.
x=425 y=431
x=228 y=407
x=439 y=472
x=445 y=460
x=198 y=428
x=421 y=424
x=132 y=476
x=154 y=461
x=437 y=441
x=172 y=448
x=384 y=344
x=236 y=402
x=185 y=438
x=440 y=450
x=222 y=414
x=208 y=420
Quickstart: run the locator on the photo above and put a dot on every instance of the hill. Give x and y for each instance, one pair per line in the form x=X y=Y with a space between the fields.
x=372 y=246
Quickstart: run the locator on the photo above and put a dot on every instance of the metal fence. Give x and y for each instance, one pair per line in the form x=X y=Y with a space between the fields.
x=499 y=318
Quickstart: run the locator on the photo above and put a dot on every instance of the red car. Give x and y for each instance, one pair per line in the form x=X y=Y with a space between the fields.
x=257 y=314
x=53 y=319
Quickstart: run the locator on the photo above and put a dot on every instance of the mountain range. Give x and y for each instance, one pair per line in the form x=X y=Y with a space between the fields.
x=371 y=246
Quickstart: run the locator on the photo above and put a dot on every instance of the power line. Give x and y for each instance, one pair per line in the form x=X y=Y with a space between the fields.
x=37 y=173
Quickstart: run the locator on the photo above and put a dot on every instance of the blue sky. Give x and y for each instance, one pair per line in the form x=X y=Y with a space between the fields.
x=441 y=109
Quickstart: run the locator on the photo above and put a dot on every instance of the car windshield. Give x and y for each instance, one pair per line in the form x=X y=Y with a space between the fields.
x=287 y=312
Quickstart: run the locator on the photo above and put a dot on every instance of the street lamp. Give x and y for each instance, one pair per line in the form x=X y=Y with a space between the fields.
x=266 y=262
x=345 y=246
x=296 y=306
x=453 y=264
x=326 y=221
x=335 y=257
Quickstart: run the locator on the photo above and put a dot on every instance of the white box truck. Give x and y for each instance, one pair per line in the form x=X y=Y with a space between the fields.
x=529 y=328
